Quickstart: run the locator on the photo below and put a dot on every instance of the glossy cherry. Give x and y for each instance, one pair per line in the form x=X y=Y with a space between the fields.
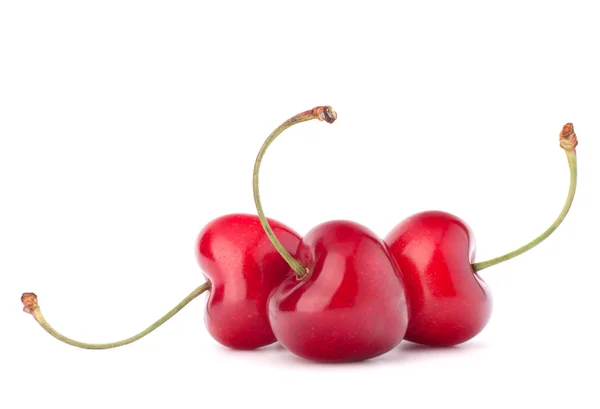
x=347 y=300
x=350 y=306
x=449 y=302
x=243 y=267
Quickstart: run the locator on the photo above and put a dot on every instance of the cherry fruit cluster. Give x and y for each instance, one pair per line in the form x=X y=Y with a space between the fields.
x=339 y=293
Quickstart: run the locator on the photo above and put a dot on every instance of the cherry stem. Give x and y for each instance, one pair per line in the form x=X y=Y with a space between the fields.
x=568 y=141
x=31 y=306
x=322 y=113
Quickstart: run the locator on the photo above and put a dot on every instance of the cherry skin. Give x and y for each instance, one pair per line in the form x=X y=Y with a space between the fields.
x=350 y=306
x=449 y=302
x=243 y=267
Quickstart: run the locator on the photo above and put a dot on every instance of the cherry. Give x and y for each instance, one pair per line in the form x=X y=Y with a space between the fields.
x=346 y=301
x=449 y=302
x=243 y=268
x=351 y=303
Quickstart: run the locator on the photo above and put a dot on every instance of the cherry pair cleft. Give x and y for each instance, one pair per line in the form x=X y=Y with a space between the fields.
x=340 y=293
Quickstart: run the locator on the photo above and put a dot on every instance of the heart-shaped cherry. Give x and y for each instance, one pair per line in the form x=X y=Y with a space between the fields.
x=450 y=303
x=351 y=303
x=243 y=268
x=347 y=300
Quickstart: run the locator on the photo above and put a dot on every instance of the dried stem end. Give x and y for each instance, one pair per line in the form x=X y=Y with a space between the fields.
x=325 y=113
x=568 y=139
x=30 y=302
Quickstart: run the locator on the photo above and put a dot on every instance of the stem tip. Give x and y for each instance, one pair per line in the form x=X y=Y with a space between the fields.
x=568 y=139
x=30 y=302
x=325 y=113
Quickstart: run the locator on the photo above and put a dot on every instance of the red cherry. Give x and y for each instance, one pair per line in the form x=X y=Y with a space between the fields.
x=350 y=306
x=347 y=301
x=449 y=302
x=243 y=267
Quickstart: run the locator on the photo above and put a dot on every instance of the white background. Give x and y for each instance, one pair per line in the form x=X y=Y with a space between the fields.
x=126 y=126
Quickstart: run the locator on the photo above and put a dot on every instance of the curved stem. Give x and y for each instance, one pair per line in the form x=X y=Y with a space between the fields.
x=568 y=141
x=31 y=306
x=322 y=113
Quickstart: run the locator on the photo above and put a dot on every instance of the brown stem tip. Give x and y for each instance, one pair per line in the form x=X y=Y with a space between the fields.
x=325 y=113
x=30 y=302
x=568 y=139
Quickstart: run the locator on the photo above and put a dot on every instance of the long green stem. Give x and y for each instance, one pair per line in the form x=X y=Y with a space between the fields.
x=31 y=306
x=568 y=141
x=322 y=113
